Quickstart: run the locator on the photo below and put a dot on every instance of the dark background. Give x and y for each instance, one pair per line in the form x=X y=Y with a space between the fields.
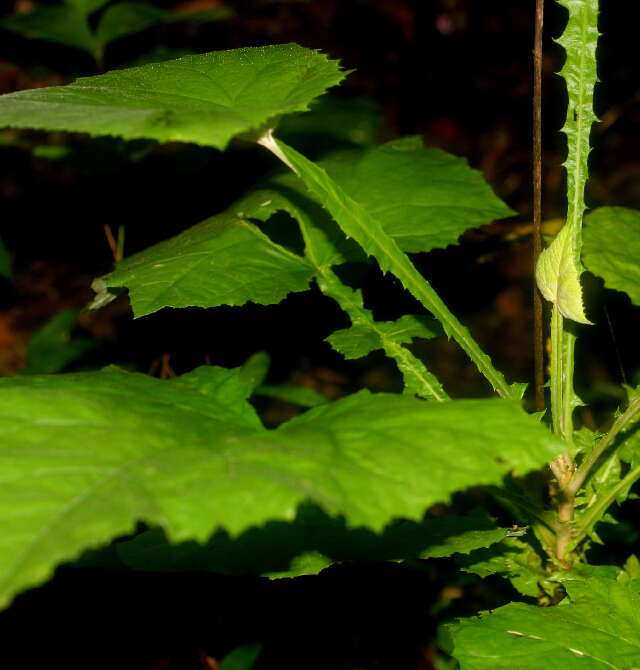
x=459 y=73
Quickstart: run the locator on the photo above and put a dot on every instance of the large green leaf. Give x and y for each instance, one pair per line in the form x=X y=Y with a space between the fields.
x=225 y=260
x=611 y=248
x=206 y=99
x=416 y=192
x=596 y=629
x=413 y=191
x=86 y=456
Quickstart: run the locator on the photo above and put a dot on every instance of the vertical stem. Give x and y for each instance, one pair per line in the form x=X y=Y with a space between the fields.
x=568 y=393
x=538 y=349
x=557 y=386
x=561 y=407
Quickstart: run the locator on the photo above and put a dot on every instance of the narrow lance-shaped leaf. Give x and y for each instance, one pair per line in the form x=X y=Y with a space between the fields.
x=85 y=472
x=356 y=222
x=206 y=99
x=559 y=267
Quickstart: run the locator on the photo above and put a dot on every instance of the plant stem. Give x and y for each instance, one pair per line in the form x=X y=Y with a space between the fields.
x=538 y=348
x=416 y=376
x=556 y=370
x=357 y=222
x=619 y=424
x=594 y=513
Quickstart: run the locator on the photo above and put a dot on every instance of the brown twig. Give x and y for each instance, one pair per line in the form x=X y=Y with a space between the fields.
x=113 y=245
x=538 y=349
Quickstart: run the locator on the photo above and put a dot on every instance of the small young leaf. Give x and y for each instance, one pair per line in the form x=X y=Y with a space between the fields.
x=611 y=248
x=241 y=658
x=297 y=395
x=207 y=99
x=558 y=276
x=359 y=340
x=52 y=348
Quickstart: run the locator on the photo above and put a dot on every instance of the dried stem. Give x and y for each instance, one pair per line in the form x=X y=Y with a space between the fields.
x=538 y=348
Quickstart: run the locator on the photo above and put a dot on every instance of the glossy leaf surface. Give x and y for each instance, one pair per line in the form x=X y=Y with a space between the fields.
x=206 y=99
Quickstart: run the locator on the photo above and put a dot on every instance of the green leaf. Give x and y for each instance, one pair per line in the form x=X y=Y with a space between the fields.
x=559 y=268
x=5 y=262
x=297 y=395
x=86 y=7
x=84 y=471
x=611 y=248
x=126 y=18
x=241 y=658
x=356 y=222
x=359 y=340
x=558 y=276
x=225 y=260
x=63 y=25
x=514 y=559
x=52 y=348
x=255 y=369
x=412 y=191
x=310 y=543
x=596 y=629
x=424 y=198
x=207 y=99
x=333 y=121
